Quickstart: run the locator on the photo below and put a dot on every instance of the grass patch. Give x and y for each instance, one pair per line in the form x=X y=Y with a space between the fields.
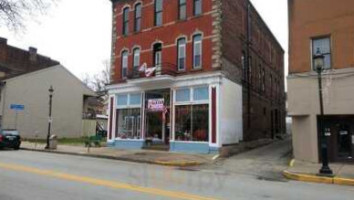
x=66 y=141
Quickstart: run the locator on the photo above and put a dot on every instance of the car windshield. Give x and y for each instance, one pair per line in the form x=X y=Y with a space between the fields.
x=9 y=132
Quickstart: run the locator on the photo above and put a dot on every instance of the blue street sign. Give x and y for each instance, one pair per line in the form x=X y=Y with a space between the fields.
x=17 y=107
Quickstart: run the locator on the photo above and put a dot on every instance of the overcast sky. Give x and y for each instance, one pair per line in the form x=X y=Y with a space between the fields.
x=78 y=32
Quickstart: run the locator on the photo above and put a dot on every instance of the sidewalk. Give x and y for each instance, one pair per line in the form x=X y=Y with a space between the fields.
x=141 y=156
x=343 y=173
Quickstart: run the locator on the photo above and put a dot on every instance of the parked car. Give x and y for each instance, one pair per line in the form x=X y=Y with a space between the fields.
x=10 y=138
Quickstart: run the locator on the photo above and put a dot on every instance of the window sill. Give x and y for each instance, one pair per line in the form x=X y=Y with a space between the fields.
x=197 y=69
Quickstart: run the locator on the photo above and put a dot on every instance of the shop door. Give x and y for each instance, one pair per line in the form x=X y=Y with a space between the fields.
x=154 y=125
x=344 y=142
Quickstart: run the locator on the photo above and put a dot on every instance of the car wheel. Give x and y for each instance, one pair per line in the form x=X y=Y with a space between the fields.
x=17 y=147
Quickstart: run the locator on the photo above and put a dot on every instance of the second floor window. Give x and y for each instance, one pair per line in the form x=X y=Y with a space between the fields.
x=136 y=60
x=197 y=51
x=125 y=21
x=322 y=46
x=124 y=64
x=197 y=7
x=158 y=12
x=182 y=9
x=181 y=54
x=137 y=18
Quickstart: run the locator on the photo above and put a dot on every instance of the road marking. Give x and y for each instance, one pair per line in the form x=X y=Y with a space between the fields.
x=101 y=182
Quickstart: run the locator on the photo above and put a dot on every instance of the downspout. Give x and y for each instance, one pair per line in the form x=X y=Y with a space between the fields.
x=248 y=43
x=3 y=95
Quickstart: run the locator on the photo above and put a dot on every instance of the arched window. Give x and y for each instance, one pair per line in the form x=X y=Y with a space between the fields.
x=136 y=60
x=124 y=64
x=181 y=54
x=197 y=7
x=197 y=51
x=137 y=17
x=125 y=21
x=157 y=50
x=158 y=12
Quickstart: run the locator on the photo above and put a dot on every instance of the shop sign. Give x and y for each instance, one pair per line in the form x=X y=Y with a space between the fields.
x=156 y=105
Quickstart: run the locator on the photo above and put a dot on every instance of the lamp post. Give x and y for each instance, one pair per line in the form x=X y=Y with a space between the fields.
x=51 y=90
x=319 y=66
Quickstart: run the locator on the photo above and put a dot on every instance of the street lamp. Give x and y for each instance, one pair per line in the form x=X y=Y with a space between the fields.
x=319 y=66
x=51 y=91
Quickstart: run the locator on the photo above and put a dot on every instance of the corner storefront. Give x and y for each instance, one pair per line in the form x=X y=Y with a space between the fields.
x=181 y=113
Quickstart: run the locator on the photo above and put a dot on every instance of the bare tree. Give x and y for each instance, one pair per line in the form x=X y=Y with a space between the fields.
x=98 y=81
x=13 y=13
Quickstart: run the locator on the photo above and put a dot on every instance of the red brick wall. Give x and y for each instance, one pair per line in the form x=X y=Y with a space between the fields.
x=14 y=61
x=168 y=33
x=262 y=43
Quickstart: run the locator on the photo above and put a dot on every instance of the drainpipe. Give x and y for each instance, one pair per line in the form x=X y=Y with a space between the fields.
x=3 y=95
x=248 y=43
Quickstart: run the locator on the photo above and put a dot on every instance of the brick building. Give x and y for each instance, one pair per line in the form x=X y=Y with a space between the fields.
x=15 y=61
x=193 y=75
x=321 y=27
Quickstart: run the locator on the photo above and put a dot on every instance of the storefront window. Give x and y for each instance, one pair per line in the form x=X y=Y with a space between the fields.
x=200 y=94
x=135 y=99
x=128 y=123
x=183 y=95
x=192 y=123
x=122 y=100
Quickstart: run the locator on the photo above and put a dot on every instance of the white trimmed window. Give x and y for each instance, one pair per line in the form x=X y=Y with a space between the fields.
x=124 y=64
x=181 y=51
x=197 y=51
x=322 y=46
x=129 y=100
x=136 y=60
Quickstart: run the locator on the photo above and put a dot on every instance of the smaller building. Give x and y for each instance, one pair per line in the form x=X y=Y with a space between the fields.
x=31 y=91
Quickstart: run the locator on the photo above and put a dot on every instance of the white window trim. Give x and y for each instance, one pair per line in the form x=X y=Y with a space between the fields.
x=191 y=97
x=201 y=51
x=136 y=53
x=128 y=102
x=185 y=53
x=125 y=57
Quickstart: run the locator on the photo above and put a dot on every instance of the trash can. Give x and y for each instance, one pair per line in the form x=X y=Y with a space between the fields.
x=53 y=142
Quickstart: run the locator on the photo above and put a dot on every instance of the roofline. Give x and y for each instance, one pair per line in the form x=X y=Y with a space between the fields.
x=266 y=25
x=47 y=69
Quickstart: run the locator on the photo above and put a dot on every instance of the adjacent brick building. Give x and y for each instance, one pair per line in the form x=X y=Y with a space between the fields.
x=208 y=72
x=15 y=61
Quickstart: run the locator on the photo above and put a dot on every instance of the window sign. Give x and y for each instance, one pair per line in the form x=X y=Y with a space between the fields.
x=156 y=105
x=183 y=95
x=201 y=93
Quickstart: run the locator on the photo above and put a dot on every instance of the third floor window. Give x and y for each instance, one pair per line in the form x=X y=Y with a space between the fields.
x=125 y=21
x=197 y=7
x=182 y=9
x=158 y=12
x=137 y=18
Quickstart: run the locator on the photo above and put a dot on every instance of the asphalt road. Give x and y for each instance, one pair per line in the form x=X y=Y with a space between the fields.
x=26 y=175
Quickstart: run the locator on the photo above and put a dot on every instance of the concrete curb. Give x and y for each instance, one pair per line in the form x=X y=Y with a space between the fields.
x=154 y=162
x=318 y=179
